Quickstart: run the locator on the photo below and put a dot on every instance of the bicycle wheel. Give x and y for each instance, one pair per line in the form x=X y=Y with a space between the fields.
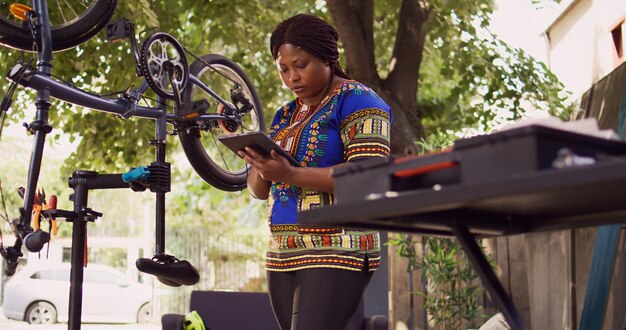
x=213 y=161
x=72 y=23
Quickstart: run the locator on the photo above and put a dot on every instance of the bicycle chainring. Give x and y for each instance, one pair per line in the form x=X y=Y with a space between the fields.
x=162 y=56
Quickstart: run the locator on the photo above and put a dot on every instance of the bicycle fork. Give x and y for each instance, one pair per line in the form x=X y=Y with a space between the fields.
x=40 y=27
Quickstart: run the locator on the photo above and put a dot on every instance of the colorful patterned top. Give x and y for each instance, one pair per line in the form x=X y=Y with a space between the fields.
x=350 y=124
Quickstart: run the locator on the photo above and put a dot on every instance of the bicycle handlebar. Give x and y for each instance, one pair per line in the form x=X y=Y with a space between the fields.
x=35 y=241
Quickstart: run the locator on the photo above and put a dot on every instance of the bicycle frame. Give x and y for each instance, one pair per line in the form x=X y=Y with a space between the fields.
x=124 y=107
x=46 y=87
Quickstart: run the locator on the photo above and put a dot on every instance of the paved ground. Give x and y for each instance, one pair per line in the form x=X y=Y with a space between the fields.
x=18 y=325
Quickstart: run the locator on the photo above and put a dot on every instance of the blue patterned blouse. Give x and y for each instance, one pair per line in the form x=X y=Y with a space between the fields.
x=350 y=124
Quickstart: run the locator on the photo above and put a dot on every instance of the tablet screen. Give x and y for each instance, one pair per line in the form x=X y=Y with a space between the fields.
x=257 y=140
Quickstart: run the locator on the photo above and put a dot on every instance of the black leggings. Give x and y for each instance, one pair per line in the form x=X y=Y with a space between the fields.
x=317 y=298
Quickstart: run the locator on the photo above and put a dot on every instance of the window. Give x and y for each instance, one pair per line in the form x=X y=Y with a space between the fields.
x=52 y=275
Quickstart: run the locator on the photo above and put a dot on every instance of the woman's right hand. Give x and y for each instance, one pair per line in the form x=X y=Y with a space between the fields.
x=274 y=168
x=264 y=170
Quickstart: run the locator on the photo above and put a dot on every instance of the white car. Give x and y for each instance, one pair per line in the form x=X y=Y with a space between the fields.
x=40 y=295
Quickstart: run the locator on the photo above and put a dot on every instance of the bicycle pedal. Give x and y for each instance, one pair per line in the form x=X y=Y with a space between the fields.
x=119 y=30
x=195 y=109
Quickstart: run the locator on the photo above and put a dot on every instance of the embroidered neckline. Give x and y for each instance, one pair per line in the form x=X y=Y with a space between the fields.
x=326 y=99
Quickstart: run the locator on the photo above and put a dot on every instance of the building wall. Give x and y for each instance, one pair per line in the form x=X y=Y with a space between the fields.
x=580 y=45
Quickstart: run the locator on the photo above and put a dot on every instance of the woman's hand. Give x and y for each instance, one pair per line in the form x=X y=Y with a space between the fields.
x=274 y=168
x=277 y=168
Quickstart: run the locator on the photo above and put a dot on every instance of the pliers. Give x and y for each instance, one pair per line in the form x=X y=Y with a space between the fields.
x=39 y=204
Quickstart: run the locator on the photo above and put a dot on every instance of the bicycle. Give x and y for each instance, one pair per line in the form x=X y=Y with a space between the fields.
x=210 y=81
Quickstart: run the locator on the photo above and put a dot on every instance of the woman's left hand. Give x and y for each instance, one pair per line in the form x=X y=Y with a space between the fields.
x=274 y=168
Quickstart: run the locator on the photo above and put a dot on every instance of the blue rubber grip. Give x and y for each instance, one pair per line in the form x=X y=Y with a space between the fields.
x=139 y=173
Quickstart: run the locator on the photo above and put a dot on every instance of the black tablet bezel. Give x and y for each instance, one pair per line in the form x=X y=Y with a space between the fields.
x=257 y=140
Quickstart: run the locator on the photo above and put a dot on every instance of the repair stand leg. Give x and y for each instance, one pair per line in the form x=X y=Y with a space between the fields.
x=488 y=277
x=79 y=233
x=82 y=182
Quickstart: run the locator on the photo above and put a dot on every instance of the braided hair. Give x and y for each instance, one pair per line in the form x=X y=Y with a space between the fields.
x=311 y=34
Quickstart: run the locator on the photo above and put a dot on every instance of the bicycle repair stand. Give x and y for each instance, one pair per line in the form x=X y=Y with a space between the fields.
x=167 y=269
x=82 y=182
x=156 y=177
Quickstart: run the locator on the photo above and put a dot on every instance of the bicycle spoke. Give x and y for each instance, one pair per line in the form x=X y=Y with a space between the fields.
x=72 y=8
x=61 y=11
x=72 y=22
x=66 y=10
x=3 y=117
x=229 y=92
x=221 y=154
x=221 y=80
x=4 y=208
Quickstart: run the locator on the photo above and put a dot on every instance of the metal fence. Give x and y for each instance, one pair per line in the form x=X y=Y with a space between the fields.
x=225 y=263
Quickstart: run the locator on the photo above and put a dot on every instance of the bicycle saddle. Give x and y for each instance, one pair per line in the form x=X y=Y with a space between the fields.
x=169 y=270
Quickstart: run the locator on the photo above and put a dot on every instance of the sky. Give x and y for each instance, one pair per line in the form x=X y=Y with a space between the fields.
x=519 y=24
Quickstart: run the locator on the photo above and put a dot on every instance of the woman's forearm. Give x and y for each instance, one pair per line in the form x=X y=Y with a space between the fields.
x=315 y=178
x=258 y=187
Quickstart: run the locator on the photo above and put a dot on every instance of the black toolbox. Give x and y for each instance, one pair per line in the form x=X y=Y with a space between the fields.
x=475 y=160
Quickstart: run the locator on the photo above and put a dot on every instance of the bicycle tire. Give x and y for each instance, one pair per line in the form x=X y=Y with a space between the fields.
x=199 y=150
x=64 y=36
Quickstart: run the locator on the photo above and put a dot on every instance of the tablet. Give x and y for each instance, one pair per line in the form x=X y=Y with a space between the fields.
x=257 y=140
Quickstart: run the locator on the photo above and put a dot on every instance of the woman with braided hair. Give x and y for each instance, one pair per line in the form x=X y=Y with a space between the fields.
x=316 y=276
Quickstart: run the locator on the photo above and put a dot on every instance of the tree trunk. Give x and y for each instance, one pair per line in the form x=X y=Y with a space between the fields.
x=354 y=20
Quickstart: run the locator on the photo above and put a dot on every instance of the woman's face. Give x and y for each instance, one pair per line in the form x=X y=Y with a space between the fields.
x=303 y=73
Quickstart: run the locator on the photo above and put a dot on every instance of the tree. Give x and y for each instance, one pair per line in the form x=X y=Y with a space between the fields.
x=432 y=61
x=444 y=70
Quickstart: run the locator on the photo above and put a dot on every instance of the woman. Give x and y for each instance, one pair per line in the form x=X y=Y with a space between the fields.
x=316 y=276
